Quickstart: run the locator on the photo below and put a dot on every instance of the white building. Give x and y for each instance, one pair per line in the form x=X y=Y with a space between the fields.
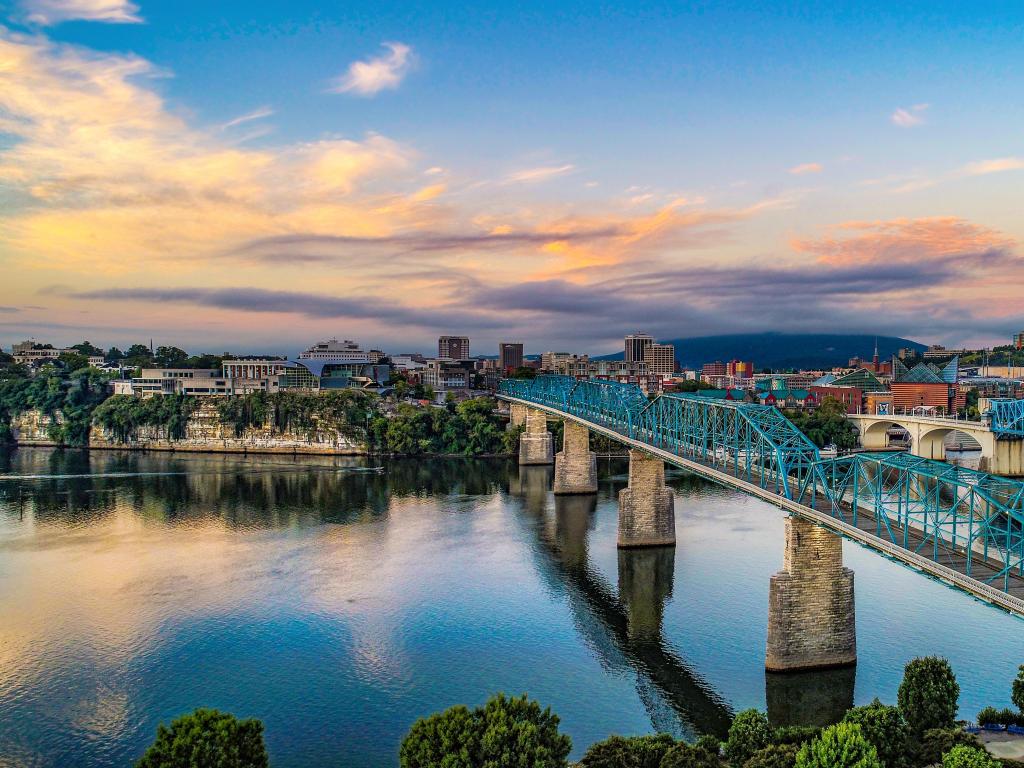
x=346 y=351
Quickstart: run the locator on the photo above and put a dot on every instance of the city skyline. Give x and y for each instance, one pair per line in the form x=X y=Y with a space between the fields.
x=254 y=177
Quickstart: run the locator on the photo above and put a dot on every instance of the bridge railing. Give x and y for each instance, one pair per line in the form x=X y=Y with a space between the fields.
x=938 y=510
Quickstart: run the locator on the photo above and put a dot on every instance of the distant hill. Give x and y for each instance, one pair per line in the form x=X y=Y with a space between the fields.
x=783 y=350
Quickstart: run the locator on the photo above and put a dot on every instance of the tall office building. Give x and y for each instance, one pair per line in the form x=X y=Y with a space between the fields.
x=510 y=355
x=660 y=358
x=453 y=347
x=1018 y=340
x=636 y=347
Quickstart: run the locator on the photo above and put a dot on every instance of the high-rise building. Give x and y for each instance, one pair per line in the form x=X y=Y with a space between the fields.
x=453 y=347
x=636 y=347
x=660 y=358
x=510 y=355
x=741 y=369
x=717 y=368
x=1018 y=340
x=549 y=360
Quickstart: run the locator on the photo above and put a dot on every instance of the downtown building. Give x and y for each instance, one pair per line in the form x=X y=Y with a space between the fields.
x=453 y=347
x=510 y=355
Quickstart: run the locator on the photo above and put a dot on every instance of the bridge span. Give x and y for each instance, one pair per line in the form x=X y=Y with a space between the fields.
x=963 y=527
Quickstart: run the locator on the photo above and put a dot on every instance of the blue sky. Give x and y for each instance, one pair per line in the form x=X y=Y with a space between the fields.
x=608 y=151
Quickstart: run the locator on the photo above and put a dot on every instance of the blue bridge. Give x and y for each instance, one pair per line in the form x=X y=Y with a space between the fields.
x=1007 y=417
x=963 y=527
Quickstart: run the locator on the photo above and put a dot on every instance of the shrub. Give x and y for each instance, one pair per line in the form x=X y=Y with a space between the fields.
x=703 y=754
x=795 y=734
x=748 y=733
x=968 y=757
x=207 y=737
x=988 y=716
x=840 y=746
x=628 y=752
x=513 y=732
x=928 y=694
x=886 y=730
x=1009 y=717
x=938 y=741
x=1017 y=692
x=774 y=756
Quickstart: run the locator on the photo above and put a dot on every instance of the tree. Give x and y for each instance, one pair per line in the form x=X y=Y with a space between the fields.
x=73 y=361
x=840 y=746
x=86 y=348
x=138 y=355
x=969 y=757
x=748 y=733
x=774 y=756
x=705 y=753
x=886 y=730
x=936 y=742
x=207 y=738
x=113 y=355
x=1017 y=693
x=690 y=385
x=928 y=694
x=523 y=372
x=628 y=752
x=170 y=357
x=504 y=733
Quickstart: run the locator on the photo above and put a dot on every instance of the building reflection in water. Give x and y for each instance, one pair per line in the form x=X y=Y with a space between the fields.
x=819 y=697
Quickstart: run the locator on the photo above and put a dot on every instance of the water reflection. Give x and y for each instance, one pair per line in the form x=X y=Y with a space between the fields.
x=819 y=698
x=623 y=626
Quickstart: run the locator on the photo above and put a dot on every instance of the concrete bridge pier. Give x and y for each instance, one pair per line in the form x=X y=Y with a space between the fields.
x=517 y=415
x=536 y=444
x=811 y=619
x=575 y=464
x=645 y=583
x=647 y=507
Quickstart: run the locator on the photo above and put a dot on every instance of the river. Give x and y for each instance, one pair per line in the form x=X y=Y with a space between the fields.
x=339 y=605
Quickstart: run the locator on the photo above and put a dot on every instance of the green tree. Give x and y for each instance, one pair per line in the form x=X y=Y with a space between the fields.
x=705 y=753
x=170 y=357
x=88 y=349
x=1017 y=692
x=928 y=694
x=936 y=742
x=504 y=733
x=690 y=385
x=774 y=756
x=138 y=355
x=628 y=752
x=886 y=730
x=113 y=355
x=73 y=361
x=969 y=757
x=523 y=372
x=207 y=738
x=840 y=746
x=748 y=733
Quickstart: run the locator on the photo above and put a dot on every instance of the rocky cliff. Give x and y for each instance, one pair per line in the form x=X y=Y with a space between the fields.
x=204 y=432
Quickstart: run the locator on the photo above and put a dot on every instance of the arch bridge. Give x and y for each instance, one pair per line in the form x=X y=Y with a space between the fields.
x=963 y=527
x=1000 y=437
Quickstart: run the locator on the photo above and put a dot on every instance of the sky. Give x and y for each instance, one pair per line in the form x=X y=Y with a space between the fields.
x=258 y=176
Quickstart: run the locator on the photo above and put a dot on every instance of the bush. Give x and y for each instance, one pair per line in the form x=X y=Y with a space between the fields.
x=774 y=756
x=988 y=716
x=840 y=746
x=748 y=733
x=938 y=741
x=928 y=694
x=886 y=730
x=1017 y=692
x=703 y=754
x=795 y=734
x=628 y=752
x=968 y=757
x=512 y=732
x=207 y=737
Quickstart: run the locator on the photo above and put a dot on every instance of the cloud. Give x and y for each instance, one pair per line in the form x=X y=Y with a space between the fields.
x=908 y=118
x=367 y=78
x=543 y=173
x=998 y=165
x=805 y=168
x=50 y=12
x=257 y=114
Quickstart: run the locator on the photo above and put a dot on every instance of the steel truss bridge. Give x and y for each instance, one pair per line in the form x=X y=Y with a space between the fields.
x=963 y=527
x=1007 y=417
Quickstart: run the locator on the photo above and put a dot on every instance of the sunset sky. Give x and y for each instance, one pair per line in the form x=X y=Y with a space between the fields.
x=257 y=176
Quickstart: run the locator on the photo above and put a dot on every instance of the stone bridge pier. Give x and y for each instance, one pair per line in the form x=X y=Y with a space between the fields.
x=516 y=415
x=536 y=444
x=811 y=621
x=575 y=464
x=647 y=507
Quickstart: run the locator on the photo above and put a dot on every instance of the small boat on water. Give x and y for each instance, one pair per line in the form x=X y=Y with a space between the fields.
x=830 y=451
x=371 y=470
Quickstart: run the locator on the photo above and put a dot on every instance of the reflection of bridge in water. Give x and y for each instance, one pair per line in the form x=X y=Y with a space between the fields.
x=624 y=626
x=963 y=527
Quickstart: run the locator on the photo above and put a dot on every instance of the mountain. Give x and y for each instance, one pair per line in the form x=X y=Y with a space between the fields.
x=783 y=350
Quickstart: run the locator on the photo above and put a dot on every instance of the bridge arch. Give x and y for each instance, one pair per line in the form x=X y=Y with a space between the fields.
x=875 y=435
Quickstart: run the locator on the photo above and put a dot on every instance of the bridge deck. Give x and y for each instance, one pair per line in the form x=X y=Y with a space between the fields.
x=922 y=553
